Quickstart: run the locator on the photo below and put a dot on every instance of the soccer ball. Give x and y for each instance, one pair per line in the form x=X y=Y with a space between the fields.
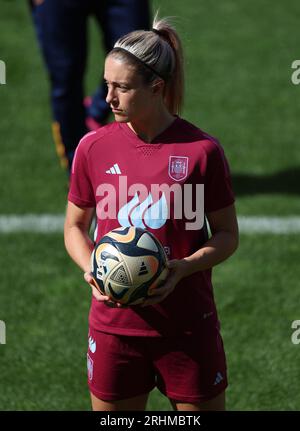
x=127 y=263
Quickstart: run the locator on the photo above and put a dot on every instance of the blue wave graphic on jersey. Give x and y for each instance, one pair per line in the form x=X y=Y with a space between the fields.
x=144 y=214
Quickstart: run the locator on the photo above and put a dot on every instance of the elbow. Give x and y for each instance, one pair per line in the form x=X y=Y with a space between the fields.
x=231 y=239
x=66 y=230
x=236 y=245
x=235 y=240
x=66 y=237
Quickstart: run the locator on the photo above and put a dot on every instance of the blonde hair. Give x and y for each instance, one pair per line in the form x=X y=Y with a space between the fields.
x=156 y=53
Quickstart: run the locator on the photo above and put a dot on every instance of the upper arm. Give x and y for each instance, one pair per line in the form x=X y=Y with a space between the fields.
x=78 y=216
x=224 y=220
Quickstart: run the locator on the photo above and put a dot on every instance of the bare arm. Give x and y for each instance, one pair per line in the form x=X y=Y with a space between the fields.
x=223 y=243
x=78 y=243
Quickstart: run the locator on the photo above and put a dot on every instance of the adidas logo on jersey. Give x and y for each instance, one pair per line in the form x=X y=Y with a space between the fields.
x=115 y=170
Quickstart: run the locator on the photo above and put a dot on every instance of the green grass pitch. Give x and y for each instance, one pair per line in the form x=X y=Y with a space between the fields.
x=238 y=74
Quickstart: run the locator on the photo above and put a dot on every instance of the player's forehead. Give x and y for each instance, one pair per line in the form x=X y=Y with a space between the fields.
x=117 y=70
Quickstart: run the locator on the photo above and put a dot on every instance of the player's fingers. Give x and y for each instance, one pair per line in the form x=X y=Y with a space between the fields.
x=165 y=288
x=157 y=297
x=160 y=293
x=153 y=301
x=172 y=263
x=95 y=290
x=88 y=277
x=99 y=296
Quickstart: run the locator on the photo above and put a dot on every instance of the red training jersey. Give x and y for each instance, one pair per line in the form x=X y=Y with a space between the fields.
x=165 y=186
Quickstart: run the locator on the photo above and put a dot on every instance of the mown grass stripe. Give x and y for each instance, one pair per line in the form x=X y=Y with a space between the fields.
x=53 y=223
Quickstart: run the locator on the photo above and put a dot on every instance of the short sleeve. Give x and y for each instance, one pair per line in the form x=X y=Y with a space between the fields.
x=81 y=190
x=218 y=192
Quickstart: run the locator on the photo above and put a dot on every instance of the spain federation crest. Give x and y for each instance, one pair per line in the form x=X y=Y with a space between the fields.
x=178 y=167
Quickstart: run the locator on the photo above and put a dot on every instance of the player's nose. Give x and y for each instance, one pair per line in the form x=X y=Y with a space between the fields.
x=111 y=96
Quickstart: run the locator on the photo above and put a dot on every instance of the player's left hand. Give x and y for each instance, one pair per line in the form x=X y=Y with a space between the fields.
x=176 y=273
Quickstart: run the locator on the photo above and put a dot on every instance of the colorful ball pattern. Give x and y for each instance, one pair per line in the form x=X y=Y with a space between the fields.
x=127 y=264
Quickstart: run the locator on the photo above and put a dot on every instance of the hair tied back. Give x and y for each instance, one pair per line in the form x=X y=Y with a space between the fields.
x=156 y=31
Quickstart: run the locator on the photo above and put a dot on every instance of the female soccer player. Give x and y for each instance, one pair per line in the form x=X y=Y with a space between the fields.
x=173 y=340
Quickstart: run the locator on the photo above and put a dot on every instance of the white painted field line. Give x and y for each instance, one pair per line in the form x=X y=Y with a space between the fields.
x=41 y=223
x=53 y=223
x=274 y=225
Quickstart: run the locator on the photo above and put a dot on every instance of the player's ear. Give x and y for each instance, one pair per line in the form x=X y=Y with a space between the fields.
x=158 y=86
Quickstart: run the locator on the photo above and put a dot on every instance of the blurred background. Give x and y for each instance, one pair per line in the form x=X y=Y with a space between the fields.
x=239 y=89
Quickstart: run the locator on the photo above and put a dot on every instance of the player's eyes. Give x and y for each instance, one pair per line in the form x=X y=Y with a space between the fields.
x=122 y=88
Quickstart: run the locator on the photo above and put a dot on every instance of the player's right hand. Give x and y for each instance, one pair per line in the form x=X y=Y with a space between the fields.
x=96 y=293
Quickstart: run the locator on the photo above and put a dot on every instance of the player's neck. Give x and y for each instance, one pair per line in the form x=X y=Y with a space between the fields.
x=148 y=130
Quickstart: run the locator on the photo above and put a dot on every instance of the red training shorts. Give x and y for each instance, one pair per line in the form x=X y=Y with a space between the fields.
x=186 y=368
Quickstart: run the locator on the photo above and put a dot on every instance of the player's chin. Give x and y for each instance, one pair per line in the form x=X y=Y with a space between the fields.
x=121 y=117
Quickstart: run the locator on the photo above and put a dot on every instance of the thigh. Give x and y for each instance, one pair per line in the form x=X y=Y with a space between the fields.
x=119 y=17
x=61 y=31
x=193 y=370
x=118 y=369
x=215 y=404
x=135 y=403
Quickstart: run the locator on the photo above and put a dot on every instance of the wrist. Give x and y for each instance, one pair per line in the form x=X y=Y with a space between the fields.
x=186 y=267
x=190 y=265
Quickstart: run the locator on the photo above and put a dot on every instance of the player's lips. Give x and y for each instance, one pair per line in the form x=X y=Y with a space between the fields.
x=116 y=111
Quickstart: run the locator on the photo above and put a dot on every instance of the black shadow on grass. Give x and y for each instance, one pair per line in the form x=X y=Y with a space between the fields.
x=282 y=182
